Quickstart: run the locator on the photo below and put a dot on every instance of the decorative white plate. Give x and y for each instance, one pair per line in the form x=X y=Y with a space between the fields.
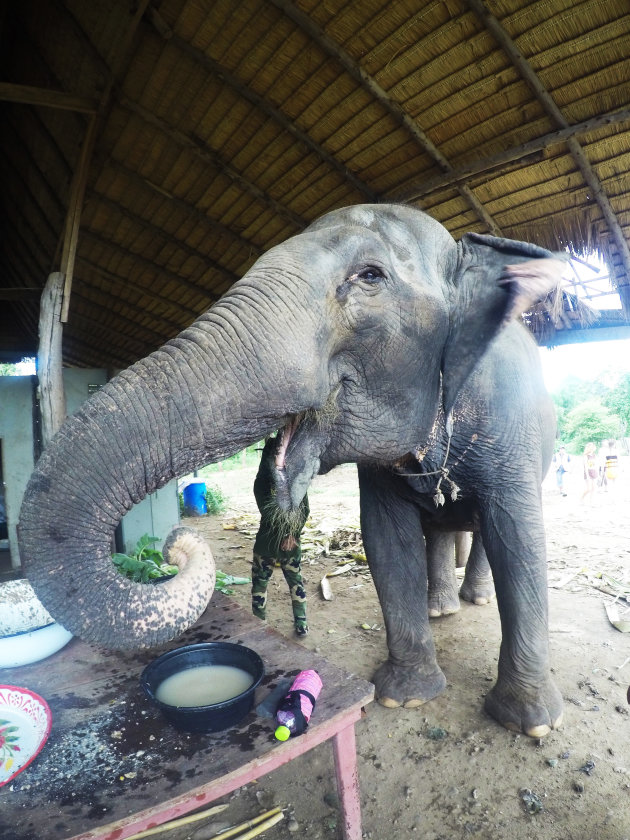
x=25 y=721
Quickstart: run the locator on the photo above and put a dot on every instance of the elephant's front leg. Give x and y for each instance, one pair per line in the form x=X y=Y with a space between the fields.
x=524 y=698
x=394 y=545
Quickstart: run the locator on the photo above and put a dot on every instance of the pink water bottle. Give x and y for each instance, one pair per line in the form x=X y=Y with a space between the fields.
x=295 y=709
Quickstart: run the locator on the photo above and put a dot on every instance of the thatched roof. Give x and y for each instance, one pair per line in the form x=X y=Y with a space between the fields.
x=175 y=140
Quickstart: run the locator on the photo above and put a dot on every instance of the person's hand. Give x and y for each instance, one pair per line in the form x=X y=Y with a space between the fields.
x=288 y=543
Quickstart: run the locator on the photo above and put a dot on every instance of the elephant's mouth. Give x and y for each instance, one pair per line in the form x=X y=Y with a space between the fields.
x=302 y=441
x=284 y=438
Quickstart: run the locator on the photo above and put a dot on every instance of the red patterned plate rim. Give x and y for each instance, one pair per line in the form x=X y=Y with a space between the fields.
x=5 y=709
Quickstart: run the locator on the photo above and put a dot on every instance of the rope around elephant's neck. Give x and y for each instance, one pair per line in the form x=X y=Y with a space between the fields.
x=443 y=471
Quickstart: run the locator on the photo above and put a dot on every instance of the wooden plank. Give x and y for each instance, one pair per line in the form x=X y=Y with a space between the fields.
x=29 y=95
x=73 y=219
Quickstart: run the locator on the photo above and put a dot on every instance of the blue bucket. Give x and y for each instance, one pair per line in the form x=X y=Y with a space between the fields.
x=195 y=499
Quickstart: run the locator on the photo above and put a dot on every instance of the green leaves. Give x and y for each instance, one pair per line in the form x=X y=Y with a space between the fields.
x=145 y=563
x=224 y=582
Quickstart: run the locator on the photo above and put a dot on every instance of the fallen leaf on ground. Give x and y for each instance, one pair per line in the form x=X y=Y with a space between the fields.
x=615 y=618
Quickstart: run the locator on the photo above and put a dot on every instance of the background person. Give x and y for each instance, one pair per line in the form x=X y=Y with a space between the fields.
x=589 y=462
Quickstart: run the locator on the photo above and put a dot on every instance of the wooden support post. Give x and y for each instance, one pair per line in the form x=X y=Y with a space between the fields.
x=49 y=357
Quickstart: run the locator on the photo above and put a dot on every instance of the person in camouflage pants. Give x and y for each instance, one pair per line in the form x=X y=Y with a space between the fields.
x=277 y=544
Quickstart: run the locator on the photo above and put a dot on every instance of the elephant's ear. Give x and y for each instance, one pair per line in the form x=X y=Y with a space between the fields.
x=495 y=281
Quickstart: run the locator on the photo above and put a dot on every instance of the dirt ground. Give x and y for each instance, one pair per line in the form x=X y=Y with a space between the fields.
x=446 y=769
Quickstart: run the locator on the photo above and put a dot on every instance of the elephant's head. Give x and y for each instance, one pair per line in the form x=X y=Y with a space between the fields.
x=345 y=337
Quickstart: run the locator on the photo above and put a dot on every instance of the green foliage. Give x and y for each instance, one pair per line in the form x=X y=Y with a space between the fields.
x=572 y=393
x=145 y=563
x=589 y=421
x=618 y=401
x=26 y=367
x=249 y=457
x=215 y=500
x=594 y=411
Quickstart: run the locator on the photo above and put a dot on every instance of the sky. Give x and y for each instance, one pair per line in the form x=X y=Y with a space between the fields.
x=591 y=360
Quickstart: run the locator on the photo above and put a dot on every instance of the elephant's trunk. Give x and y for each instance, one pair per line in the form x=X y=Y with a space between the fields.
x=198 y=399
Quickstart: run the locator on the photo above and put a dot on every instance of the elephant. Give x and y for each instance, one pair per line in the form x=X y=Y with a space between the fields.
x=445 y=552
x=371 y=337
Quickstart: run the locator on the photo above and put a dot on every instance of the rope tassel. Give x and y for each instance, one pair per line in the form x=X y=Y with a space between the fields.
x=439 y=498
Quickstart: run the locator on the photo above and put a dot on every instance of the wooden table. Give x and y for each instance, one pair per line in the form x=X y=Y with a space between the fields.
x=113 y=767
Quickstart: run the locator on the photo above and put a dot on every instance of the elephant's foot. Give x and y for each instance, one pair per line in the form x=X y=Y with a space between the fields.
x=409 y=687
x=443 y=600
x=534 y=712
x=478 y=591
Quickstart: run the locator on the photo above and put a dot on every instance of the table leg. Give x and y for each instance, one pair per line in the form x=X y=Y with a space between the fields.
x=344 y=749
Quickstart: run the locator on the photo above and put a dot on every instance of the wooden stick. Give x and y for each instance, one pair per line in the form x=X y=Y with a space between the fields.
x=209 y=812
x=257 y=826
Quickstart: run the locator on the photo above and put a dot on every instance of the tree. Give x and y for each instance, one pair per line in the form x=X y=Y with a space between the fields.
x=590 y=421
x=618 y=401
x=572 y=393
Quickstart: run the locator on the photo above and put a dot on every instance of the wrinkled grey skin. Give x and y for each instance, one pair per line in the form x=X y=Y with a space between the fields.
x=446 y=551
x=357 y=338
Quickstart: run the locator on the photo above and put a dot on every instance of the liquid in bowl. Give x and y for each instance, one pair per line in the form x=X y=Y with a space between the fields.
x=203 y=685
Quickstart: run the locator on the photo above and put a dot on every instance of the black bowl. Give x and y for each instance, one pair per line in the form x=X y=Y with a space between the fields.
x=215 y=717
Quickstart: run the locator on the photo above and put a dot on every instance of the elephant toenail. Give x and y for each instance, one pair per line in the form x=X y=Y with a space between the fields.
x=388 y=702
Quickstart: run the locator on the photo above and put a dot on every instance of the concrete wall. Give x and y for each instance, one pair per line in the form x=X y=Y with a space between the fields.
x=155 y=515
x=16 y=433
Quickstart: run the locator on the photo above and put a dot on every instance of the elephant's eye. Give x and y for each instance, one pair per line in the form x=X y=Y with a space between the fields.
x=370 y=274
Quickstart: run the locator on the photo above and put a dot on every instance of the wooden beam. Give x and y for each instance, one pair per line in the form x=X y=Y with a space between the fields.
x=95 y=298
x=154 y=268
x=577 y=152
x=50 y=357
x=126 y=282
x=73 y=219
x=202 y=152
x=160 y=233
x=47 y=98
x=368 y=83
x=259 y=102
x=190 y=210
x=517 y=154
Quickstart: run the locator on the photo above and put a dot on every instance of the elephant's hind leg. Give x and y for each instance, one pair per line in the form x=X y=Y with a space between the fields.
x=443 y=598
x=477 y=586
